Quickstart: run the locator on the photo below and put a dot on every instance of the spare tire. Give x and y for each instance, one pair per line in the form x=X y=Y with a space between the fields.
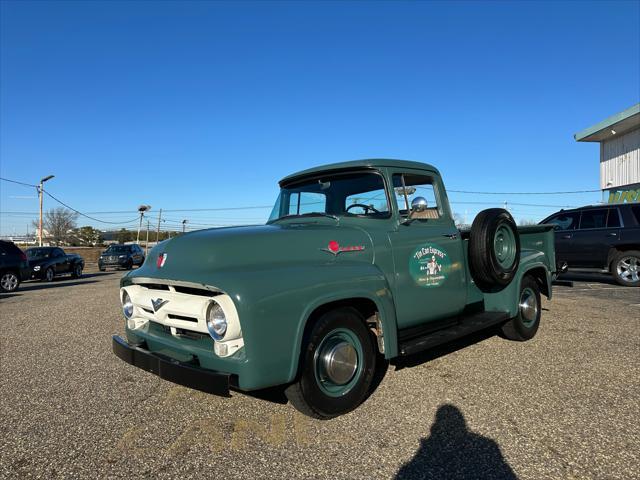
x=494 y=249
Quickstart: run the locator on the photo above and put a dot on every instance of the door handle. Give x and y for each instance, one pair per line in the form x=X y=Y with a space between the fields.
x=452 y=236
x=612 y=234
x=566 y=237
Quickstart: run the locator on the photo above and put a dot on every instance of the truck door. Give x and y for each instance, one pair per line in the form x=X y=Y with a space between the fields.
x=429 y=282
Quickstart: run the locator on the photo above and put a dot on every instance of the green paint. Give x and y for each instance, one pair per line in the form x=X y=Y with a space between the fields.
x=279 y=274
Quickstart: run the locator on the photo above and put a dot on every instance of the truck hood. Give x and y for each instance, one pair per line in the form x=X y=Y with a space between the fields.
x=195 y=254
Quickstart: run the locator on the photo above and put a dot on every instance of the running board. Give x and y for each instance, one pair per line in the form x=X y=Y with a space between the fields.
x=465 y=326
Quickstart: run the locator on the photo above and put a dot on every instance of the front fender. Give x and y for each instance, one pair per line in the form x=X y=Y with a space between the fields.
x=274 y=303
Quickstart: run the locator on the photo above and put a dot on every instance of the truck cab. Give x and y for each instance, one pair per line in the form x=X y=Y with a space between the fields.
x=359 y=261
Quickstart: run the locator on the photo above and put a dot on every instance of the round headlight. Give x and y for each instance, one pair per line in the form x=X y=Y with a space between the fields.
x=127 y=305
x=216 y=321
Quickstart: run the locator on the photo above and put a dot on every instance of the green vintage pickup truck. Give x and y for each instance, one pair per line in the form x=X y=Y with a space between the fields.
x=359 y=263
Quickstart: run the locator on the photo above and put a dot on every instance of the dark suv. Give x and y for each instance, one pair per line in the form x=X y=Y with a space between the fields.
x=14 y=266
x=121 y=256
x=602 y=237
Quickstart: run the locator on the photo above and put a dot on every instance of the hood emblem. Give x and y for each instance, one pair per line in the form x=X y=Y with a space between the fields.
x=162 y=258
x=335 y=249
x=158 y=303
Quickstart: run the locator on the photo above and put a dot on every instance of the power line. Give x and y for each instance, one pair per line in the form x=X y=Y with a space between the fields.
x=525 y=193
x=19 y=183
x=85 y=215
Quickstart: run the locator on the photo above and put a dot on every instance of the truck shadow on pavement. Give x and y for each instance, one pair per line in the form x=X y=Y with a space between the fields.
x=589 y=278
x=433 y=353
x=452 y=451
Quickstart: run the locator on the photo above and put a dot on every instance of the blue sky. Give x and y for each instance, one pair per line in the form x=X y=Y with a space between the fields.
x=207 y=104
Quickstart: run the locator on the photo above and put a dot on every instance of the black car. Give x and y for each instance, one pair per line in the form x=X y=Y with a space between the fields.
x=14 y=267
x=605 y=238
x=121 y=256
x=48 y=262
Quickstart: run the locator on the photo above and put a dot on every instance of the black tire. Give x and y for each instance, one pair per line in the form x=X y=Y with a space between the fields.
x=77 y=271
x=308 y=394
x=129 y=265
x=9 y=281
x=525 y=324
x=625 y=268
x=102 y=269
x=49 y=275
x=494 y=249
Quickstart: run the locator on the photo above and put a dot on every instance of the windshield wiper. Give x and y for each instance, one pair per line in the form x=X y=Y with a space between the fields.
x=310 y=214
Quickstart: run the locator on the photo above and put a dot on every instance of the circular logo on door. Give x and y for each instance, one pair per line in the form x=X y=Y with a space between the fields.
x=429 y=265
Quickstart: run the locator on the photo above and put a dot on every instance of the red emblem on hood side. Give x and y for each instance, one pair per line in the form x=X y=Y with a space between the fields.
x=162 y=258
x=334 y=248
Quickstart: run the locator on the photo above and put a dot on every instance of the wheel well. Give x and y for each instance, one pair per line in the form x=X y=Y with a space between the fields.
x=365 y=306
x=618 y=248
x=540 y=276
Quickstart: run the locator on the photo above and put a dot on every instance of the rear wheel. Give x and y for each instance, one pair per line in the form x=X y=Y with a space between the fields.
x=77 y=271
x=524 y=325
x=338 y=363
x=626 y=268
x=9 y=281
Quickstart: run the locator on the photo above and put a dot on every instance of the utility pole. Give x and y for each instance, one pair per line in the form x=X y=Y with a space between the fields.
x=40 y=194
x=184 y=224
x=146 y=245
x=141 y=209
x=158 y=231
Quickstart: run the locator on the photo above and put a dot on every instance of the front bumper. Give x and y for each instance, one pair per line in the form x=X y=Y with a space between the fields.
x=167 y=368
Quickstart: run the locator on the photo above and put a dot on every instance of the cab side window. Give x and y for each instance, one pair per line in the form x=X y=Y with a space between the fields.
x=409 y=187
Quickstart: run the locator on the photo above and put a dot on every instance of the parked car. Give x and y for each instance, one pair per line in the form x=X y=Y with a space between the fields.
x=603 y=238
x=358 y=261
x=121 y=256
x=48 y=262
x=14 y=267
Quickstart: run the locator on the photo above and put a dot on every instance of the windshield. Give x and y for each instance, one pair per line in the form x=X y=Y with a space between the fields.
x=118 y=249
x=360 y=194
x=38 y=252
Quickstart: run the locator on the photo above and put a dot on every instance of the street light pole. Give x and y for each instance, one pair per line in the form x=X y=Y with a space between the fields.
x=141 y=209
x=40 y=194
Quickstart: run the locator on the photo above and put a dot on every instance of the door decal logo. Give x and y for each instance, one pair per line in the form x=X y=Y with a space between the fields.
x=429 y=265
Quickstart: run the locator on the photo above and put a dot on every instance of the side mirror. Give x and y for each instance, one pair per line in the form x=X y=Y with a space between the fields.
x=418 y=204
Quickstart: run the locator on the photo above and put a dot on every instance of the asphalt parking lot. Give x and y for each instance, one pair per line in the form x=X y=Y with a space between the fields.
x=564 y=405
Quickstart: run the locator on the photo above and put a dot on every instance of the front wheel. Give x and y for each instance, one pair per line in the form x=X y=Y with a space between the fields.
x=524 y=325
x=9 y=282
x=338 y=363
x=626 y=268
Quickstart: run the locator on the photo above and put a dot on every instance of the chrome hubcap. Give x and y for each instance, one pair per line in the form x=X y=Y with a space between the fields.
x=528 y=306
x=628 y=269
x=339 y=362
x=49 y=274
x=9 y=281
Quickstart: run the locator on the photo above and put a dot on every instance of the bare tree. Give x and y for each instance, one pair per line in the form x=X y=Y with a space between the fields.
x=57 y=224
x=524 y=222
